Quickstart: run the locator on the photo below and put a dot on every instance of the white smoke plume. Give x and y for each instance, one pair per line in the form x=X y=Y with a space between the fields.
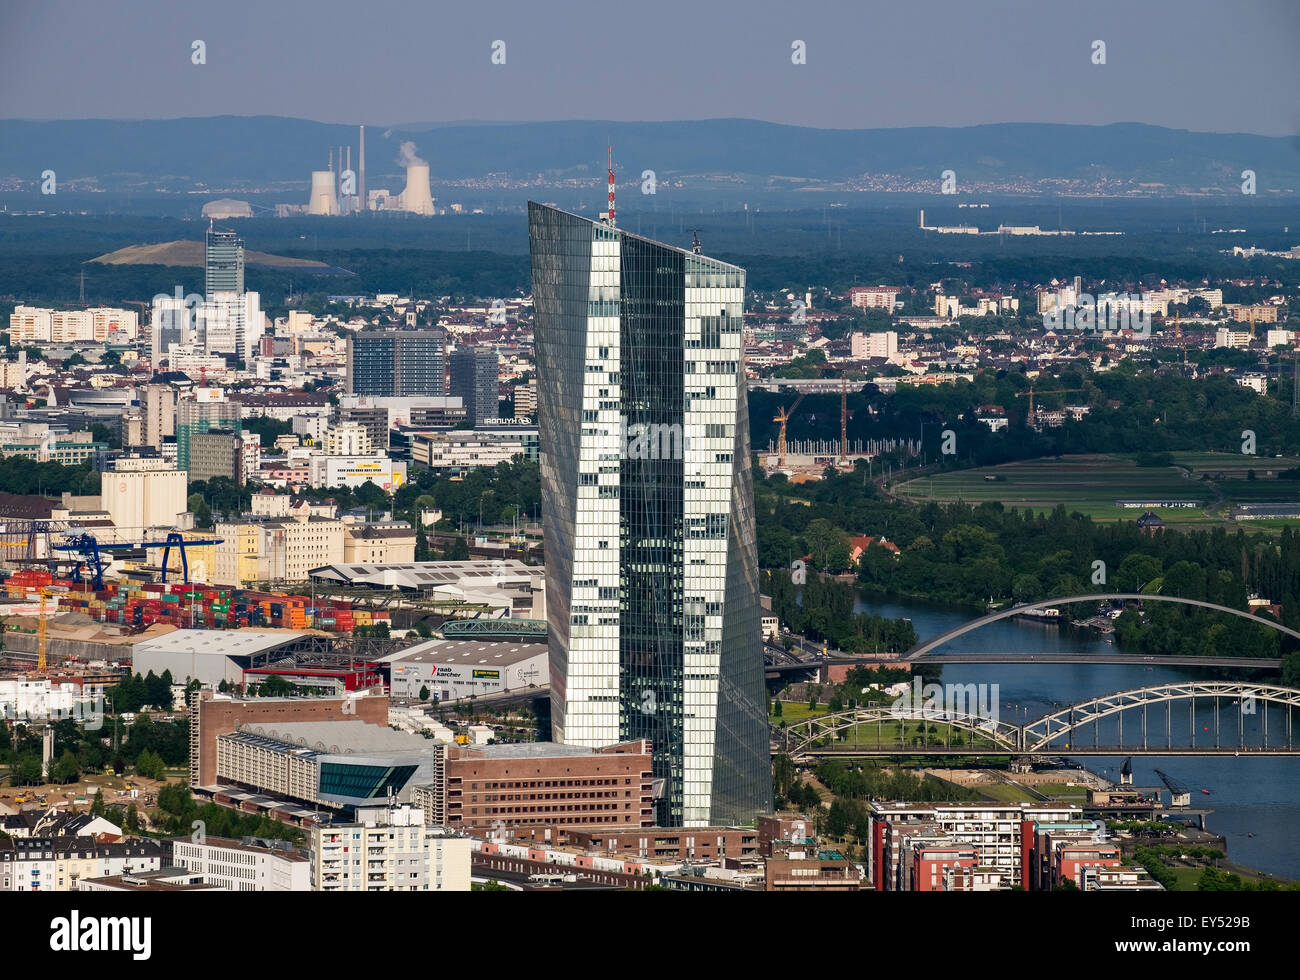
x=407 y=156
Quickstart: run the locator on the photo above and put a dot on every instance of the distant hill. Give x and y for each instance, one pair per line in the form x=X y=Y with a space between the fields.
x=191 y=254
x=218 y=152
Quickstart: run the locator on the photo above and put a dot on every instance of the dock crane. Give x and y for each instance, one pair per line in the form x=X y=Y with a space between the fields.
x=1055 y=391
x=86 y=546
x=783 y=416
x=1179 y=795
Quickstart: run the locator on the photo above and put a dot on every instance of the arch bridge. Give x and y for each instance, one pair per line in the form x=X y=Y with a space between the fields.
x=948 y=728
x=922 y=649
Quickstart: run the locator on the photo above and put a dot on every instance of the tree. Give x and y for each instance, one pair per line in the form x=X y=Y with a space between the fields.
x=457 y=550
x=132 y=819
x=424 y=692
x=66 y=769
x=97 y=804
x=27 y=771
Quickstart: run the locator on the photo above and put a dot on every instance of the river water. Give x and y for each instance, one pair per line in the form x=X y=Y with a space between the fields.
x=1259 y=796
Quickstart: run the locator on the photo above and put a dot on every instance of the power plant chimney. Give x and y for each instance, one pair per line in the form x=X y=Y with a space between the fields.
x=416 y=198
x=354 y=186
x=361 y=177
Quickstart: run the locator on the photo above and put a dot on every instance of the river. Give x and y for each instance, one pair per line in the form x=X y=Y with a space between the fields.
x=1259 y=796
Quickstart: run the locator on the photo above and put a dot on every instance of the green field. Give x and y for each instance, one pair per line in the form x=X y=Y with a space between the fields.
x=1095 y=485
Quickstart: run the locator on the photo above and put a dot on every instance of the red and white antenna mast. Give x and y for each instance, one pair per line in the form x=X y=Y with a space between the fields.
x=609 y=215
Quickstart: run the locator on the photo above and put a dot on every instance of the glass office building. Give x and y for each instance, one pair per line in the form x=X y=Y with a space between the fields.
x=397 y=363
x=224 y=262
x=647 y=498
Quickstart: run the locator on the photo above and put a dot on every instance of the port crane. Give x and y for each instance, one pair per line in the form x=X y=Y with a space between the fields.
x=1179 y=794
x=85 y=545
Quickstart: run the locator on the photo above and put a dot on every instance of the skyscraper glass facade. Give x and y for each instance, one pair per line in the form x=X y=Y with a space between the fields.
x=652 y=577
x=393 y=363
x=224 y=263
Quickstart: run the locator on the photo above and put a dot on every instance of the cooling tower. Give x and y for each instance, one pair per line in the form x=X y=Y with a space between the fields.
x=323 y=198
x=416 y=198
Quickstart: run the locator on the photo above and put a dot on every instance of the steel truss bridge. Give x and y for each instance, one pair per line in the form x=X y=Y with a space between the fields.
x=920 y=651
x=885 y=730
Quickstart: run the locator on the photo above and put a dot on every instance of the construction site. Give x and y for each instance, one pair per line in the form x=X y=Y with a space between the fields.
x=807 y=459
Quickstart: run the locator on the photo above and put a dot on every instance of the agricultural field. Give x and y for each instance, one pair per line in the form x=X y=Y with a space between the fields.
x=1095 y=485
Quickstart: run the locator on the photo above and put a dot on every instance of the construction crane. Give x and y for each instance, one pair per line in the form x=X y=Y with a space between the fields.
x=46 y=592
x=783 y=416
x=1055 y=391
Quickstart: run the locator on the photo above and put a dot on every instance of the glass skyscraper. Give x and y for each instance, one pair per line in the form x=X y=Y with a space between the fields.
x=647 y=501
x=224 y=260
x=393 y=363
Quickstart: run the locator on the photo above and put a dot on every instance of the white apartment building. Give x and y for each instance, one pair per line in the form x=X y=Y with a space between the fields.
x=239 y=867
x=347 y=439
x=388 y=849
x=1223 y=337
x=874 y=297
x=29 y=324
x=881 y=344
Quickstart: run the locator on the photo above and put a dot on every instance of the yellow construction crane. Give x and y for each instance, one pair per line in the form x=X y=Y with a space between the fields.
x=1054 y=391
x=40 y=634
x=783 y=416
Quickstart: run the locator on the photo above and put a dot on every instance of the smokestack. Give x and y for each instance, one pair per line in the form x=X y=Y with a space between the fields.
x=361 y=177
x=349 y=167
x=416 y=198
x=331 y=159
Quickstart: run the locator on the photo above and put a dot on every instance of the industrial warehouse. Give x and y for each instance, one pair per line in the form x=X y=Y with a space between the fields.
x=454 y=669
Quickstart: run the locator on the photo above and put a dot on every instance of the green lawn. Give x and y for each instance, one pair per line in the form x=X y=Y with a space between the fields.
x=1060 y=789
x=1004 y=793
x=1094 y=485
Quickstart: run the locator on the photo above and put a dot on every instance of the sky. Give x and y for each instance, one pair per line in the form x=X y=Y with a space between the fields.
x=1206 y=65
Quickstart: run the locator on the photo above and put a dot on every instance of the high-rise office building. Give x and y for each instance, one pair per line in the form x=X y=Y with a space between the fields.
x=224 y=262
x=474 y=382
x=392 y=363
x=201 y=410
x=647 y=501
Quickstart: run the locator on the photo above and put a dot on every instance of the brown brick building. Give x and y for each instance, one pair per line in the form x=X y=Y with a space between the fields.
x=666 y=843
x=812 y=875
x=538 y=784
x=779 y=832
x=218 y=714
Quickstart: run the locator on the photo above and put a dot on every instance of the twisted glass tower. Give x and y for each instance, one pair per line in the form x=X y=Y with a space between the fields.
x=647 y=502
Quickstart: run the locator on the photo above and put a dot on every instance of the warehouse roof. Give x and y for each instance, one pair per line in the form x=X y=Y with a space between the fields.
x=218 y=643
x=475 y=652
x=427 y=574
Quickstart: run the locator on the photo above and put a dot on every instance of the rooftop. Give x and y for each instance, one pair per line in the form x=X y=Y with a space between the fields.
x=226 y=643
x=489 y=652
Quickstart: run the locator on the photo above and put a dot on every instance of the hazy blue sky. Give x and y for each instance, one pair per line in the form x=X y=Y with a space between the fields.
x=1215 y=65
